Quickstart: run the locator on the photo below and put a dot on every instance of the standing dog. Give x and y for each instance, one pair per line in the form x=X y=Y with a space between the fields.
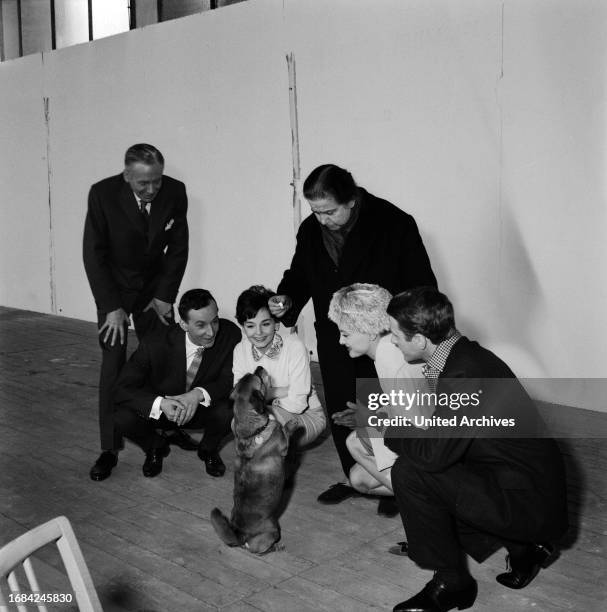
x=259 y=475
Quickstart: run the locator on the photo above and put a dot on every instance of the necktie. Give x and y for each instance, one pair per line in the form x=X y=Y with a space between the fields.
x=145 y=215
x=193 y=369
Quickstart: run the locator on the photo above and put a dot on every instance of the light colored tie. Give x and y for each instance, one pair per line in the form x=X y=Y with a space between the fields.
x=193 y=369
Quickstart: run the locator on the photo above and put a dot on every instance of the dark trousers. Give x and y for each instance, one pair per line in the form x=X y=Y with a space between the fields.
x=113 y=359
x=339 y=373
x=462 y=509
x=214 y=419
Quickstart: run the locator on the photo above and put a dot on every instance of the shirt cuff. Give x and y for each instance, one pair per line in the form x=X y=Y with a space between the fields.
x=207 y=398
x=156 y=412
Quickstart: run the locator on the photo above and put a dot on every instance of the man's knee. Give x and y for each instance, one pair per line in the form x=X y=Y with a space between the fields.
x=406 y=477
x=113 y=358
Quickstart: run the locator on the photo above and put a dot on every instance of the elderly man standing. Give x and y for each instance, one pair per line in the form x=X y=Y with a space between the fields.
x=135 y=251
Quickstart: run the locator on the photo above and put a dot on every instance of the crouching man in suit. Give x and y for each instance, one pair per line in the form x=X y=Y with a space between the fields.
x=181 y=378
x=463 y=489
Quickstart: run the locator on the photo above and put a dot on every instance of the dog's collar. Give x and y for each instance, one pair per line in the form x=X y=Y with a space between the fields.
x=258 y=430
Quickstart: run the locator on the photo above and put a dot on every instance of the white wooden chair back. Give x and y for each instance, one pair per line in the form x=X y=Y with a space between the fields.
x=17 y=553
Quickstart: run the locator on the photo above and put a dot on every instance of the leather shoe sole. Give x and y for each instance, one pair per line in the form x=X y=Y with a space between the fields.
x=103 y=466
x=152 y=466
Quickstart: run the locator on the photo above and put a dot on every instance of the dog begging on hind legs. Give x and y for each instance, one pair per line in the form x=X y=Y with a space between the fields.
x=259 y=472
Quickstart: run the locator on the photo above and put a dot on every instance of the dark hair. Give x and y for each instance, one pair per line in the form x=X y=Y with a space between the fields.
x=330 y=181
x=194 y=299
x=144 y=153
x=251 y=301
x=425 y=311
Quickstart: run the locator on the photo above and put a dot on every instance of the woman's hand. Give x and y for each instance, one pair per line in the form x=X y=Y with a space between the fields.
x=347 y=417
x=279 y=305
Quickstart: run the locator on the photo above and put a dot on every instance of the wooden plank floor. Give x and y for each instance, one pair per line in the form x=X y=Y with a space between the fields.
x=149 y=543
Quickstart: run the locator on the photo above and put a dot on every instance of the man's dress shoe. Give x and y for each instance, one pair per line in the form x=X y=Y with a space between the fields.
x=103 y=466
x=436 y=596
x=152 y=466
x=181 y=439
x=524 y=569
x=337 y=493
x=387 y=506
x=214 y=465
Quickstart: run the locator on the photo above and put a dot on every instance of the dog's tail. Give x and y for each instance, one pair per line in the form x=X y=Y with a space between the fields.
x=223 y=528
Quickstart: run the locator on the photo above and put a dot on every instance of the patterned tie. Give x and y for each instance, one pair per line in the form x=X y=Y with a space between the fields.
x=193 y=369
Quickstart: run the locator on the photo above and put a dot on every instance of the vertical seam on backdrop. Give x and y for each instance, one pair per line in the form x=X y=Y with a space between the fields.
x=2 y=52
x=500 y=171
x=295 y=158
x=51 y=244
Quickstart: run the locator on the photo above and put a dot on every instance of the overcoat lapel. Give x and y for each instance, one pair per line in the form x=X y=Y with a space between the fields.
x=160 y=214
x=359 y=244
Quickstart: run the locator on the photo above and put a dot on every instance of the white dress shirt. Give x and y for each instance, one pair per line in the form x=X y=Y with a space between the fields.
x=190 y=352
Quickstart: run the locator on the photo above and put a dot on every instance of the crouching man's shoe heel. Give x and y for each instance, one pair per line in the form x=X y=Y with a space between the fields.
x=152 y=466
x=522 y=570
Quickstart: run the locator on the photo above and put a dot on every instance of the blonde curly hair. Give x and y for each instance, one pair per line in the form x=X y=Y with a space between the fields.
x=361 y=307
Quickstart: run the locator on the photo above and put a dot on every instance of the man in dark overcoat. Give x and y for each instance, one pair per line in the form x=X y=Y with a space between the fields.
x=350 y=237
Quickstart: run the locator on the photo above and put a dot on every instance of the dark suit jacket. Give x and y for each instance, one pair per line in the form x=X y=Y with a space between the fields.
x=522 y=476
x=383 y=247
x=158 y=367
x=125 y=267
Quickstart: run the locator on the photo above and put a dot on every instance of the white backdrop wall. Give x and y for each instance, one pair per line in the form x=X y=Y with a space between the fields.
x=484 y=119
x=213 y=97
x=24 y=192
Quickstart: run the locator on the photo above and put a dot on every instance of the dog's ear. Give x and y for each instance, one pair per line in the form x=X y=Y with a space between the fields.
x=258 y=396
